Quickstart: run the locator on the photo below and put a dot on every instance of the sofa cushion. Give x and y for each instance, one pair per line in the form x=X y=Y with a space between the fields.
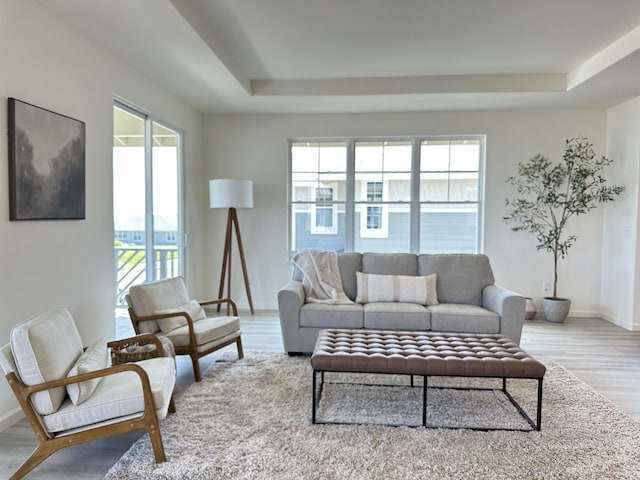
x=396 y=316
x=45 y=348
x=390 y=263
x=452 y=317
x=349 y=264
x=320 y=315
x=461 y=277
x=396 y=288
x=193 y=308
x=95 y=357
x=118 y=395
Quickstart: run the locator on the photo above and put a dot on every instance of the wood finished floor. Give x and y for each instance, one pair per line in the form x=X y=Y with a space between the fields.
x=603 y=355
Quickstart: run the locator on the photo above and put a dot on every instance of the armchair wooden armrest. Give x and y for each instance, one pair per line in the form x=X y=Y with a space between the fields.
x=219 y=302
x=159 y=316
x=81 y=377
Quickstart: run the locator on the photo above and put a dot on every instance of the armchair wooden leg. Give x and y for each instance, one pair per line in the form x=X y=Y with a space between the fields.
x=156 y=442
x=41 y=453
x=196 y=367
x=239 y=345
x=172 y=406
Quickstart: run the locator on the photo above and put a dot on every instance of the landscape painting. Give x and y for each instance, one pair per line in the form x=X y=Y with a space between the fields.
x=46 y=164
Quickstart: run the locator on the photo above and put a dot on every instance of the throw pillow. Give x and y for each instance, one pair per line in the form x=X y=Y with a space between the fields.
x=193 y=308
x=396 y=288
x=420 y=289
x=95 y=357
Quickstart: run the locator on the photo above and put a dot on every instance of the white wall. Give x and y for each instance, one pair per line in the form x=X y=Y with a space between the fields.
x=46 y=263
x=621 y=268
x=255 y=147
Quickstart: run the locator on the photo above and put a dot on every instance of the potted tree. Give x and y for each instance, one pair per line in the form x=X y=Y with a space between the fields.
x=549 y=194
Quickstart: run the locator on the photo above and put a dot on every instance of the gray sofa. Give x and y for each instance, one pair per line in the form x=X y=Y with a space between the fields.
x=468 y=299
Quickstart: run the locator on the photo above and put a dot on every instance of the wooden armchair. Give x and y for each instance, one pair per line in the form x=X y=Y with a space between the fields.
x=71 y=395
x=164 y=308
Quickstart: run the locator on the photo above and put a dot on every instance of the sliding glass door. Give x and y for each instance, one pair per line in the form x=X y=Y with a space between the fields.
x=147 y=200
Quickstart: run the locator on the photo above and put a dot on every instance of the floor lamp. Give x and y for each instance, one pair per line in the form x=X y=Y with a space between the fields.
x=231 y=194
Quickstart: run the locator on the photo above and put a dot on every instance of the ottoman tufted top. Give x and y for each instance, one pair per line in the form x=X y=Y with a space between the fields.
x=423 y=353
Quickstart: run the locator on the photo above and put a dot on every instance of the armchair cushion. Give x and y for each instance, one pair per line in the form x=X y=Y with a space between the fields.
x=193 y=308
x=116 y=396
x=45 y=348
x=152 y=296
x=95 y=357
x=207 y=330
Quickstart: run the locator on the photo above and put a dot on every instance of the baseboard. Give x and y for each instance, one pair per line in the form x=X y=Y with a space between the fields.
x=616 y=321
x=593 y=314
x=266 y=312
x=585 y=314
x=10 y=418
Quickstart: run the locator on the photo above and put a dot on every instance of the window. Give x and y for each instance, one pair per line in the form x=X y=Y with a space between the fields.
x=317 y=188
x=147 y=199
x=137 y=237
x=386 y=195
x=449 y=192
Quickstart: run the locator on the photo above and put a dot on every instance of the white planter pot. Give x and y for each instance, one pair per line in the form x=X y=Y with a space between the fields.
x=556 y=309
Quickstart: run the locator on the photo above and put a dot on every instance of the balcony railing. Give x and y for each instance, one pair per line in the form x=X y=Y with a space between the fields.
x=131 y=266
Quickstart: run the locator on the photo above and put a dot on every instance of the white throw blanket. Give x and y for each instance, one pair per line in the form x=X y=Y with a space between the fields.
x=321 y=277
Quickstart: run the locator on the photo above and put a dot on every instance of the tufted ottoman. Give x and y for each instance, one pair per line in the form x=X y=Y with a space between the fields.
x=424 y=354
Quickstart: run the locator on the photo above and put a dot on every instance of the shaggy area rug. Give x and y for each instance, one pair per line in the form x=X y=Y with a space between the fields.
x=251 y=419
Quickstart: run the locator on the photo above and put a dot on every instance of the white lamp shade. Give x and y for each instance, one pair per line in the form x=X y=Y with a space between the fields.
x=228 y=193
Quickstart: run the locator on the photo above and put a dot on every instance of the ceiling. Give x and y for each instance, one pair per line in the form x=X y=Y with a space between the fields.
x=316 y=56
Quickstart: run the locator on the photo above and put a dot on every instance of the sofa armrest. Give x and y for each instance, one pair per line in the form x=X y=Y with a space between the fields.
x=291 y=298
x=509 y=305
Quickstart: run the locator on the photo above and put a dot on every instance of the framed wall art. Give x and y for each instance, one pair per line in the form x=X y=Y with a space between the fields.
x=46 y=164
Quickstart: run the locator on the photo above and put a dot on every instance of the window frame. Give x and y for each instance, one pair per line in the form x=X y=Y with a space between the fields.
x=415 y=203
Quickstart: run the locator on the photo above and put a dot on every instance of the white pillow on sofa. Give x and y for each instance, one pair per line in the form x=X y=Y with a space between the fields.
x=193 y=308
x=373 y=288
x=95 y=357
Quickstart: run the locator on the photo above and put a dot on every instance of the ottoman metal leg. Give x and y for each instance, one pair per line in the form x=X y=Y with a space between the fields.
x=316 y=395
x=424 y=400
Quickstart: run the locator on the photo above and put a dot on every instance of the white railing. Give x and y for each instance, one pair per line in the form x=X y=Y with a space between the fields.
x=131 y=266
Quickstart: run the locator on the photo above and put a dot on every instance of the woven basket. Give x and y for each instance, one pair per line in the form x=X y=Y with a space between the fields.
x=133 y=352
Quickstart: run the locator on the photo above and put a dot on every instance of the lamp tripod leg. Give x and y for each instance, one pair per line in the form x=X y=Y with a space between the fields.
x=226 y=261
x=232 y=224
x=247 y=286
